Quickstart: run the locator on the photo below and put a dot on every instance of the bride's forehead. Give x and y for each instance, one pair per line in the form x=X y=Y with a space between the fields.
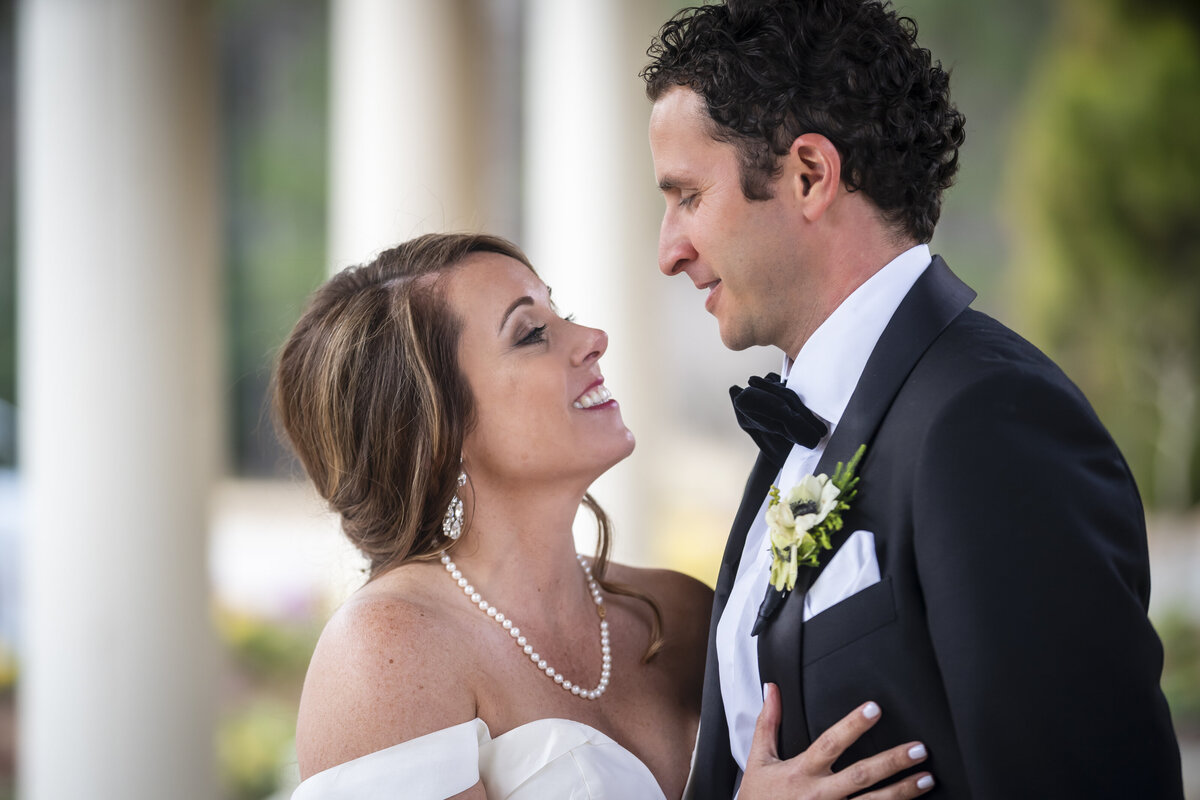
x=495 y=278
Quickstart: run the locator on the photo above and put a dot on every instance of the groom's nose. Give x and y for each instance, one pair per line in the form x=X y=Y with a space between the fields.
x=675 y=250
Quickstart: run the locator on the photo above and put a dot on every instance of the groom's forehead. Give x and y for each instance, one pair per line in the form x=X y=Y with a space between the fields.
x=682 y=139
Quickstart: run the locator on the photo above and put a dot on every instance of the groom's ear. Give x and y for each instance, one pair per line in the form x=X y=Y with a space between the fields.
x=814 y=172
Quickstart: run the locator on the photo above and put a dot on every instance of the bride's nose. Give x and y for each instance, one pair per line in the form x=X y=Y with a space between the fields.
x=592 y=344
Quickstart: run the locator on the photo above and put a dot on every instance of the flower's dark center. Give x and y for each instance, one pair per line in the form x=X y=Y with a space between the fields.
x=807 y=507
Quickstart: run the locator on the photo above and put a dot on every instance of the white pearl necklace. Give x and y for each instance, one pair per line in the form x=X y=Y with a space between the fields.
x=527 y=649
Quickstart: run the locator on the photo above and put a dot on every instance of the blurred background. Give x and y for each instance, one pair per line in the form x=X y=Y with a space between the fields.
x=177 y=175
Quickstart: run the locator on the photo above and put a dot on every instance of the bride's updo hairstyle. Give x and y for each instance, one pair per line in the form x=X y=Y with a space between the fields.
x=369 y=393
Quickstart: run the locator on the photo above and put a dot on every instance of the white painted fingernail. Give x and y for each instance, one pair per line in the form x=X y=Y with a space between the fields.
x=870 y=711
x=916 y=751
x=925 y=782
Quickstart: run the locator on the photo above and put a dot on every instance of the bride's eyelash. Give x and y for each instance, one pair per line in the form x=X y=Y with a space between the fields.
x=535 y=336
x=569 y=318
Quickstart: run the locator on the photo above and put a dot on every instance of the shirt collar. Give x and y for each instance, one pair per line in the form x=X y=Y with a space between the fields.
x=829 y=364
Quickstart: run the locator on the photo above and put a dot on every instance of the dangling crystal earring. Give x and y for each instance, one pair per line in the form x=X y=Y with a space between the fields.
x=452 y=522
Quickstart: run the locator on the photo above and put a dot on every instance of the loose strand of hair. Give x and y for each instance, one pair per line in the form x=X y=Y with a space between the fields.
x=600 y=568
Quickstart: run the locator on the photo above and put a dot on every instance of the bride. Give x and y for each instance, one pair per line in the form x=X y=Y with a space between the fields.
x=455 y=421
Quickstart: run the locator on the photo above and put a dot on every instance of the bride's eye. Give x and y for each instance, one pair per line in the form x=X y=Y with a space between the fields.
x=535 y=336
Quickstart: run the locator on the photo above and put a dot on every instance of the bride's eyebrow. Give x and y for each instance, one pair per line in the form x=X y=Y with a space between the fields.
x=520 y=301
x=523 y=301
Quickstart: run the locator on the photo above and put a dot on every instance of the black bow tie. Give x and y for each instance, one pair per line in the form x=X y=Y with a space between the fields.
x=775 y=417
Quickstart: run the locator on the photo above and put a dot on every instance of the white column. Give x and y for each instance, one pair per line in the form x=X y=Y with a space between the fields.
x=592 y=211
x=401 y=124
x=119 y=422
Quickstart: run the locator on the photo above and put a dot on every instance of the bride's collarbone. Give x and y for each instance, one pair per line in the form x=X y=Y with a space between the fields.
x=511 y=691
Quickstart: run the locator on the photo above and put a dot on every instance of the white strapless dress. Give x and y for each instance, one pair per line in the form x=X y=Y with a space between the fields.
x=546 y=758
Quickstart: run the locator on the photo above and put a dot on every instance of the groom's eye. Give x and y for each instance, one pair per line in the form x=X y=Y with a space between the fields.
x=687 y=201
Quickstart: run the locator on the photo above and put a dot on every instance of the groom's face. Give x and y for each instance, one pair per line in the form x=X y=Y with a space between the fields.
x=742 y=253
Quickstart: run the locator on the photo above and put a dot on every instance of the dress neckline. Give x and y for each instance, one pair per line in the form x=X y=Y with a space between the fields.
x=522 y=751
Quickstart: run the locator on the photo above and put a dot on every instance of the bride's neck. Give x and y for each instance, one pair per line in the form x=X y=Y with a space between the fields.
x=523 y=542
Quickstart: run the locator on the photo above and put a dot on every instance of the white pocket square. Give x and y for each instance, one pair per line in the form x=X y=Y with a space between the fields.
x=852 y=569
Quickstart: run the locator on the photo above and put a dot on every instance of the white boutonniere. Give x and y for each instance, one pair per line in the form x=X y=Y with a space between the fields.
x=801 y=520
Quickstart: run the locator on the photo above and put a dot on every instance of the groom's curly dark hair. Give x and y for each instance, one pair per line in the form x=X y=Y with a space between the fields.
x=850 y=70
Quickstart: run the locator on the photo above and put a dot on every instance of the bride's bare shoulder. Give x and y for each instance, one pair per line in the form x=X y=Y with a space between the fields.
x=666 y=586
x=386 y=669
x=685 y=602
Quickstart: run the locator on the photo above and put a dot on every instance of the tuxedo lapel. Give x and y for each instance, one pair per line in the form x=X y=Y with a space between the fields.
x=715 y=769
x=936 y=298
x=934 y=301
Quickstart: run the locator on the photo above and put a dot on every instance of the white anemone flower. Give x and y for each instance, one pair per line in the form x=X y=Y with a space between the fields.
x=809 y=502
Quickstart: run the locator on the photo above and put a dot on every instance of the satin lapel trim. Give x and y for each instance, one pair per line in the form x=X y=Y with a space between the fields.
x=934 y=301
x=760 y=479
x=715 y=767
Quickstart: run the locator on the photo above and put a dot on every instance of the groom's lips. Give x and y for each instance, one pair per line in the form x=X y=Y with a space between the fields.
x=710 y=302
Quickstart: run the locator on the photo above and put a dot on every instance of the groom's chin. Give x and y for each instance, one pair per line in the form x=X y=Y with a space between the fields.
x=735 y=340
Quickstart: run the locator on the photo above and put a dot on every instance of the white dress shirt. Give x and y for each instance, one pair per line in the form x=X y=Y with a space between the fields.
x=823 y=375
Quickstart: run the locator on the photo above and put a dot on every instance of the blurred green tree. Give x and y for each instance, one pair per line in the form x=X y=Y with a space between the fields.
x=274 y=92
x=1104 y=185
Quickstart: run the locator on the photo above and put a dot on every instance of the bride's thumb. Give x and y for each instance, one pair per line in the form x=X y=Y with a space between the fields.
x=762 y=748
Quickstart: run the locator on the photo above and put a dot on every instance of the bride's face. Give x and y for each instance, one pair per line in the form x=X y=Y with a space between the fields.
x=542 y=410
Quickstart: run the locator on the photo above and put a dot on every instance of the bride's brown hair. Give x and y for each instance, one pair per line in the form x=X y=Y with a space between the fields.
x=369 y=393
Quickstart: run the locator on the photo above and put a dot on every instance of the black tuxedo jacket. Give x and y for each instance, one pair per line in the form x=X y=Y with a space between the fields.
x=1008 y=631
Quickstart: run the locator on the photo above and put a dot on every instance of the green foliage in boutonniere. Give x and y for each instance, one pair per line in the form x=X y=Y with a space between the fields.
x=801 y=520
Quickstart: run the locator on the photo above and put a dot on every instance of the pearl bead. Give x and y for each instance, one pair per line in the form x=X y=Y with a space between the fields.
x=515 y=632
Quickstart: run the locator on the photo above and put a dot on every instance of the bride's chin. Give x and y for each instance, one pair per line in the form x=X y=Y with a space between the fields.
x=616 y=456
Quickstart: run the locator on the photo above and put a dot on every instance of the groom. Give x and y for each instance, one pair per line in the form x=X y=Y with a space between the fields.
x=988 y=588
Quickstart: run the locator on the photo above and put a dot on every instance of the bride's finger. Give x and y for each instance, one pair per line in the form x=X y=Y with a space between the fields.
x=870 y=771
x=912 y=786
x=766 y=729
x=830 y=745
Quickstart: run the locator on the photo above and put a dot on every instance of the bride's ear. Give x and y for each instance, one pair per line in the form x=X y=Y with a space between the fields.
x=813 y=170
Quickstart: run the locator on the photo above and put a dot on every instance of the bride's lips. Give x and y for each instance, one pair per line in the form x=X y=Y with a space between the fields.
x=595 y=396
